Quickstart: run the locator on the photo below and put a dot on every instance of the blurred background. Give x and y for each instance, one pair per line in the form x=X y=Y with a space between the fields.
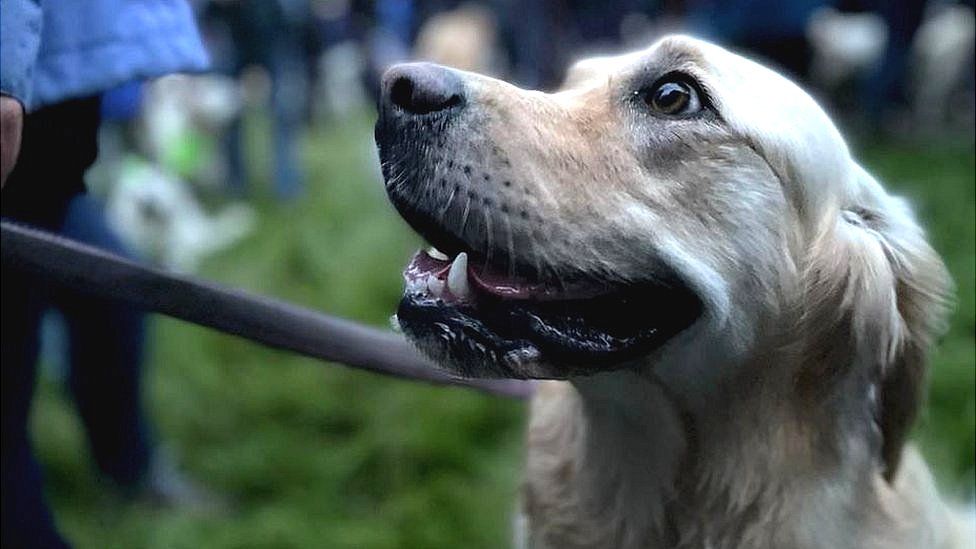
x=263 y=175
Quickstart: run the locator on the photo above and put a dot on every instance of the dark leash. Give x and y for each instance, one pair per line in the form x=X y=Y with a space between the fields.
x=66 y=263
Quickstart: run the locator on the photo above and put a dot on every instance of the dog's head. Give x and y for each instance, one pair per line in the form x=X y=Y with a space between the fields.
x=676 y=209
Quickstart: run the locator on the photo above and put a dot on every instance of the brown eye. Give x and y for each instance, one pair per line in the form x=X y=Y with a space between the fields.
x=673 y=97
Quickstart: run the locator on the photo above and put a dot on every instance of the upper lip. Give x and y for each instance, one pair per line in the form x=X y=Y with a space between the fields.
x=443 y=239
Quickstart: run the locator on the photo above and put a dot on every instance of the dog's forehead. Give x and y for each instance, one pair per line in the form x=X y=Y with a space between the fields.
x=722 y=73
x=771 y=112
x=676 y=52
x=781 y=121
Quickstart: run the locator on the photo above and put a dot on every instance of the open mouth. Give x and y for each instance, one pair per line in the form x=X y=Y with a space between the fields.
x=488 y=323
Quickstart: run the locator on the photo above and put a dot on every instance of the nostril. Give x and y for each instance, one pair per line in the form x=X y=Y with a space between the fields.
x=401 y=92
x=422 y=101
x=452 y=101
x=444 y=104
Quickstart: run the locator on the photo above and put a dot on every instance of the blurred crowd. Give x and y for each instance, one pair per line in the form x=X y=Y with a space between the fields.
x=174 y=182
x=902 y=68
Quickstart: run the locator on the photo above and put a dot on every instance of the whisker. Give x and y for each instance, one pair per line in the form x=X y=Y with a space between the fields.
x=555 y=273
x=428 y=183
x=546 y=264
x=511 y=246
x=399 y=176
x=464 y=216
x=447 y=205
x=488 y=238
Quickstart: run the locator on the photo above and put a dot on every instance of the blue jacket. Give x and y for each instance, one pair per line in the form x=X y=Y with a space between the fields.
x=53 y=50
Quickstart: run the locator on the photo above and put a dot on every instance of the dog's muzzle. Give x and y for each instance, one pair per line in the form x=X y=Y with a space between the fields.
x=489 y=301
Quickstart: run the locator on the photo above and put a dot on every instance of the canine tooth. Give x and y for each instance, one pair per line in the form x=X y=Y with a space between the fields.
x=457 y=277
x=437 y=254
x=435 y=286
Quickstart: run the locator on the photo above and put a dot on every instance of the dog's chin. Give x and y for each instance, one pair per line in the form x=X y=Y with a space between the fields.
x=457 y=340
x=538 y=333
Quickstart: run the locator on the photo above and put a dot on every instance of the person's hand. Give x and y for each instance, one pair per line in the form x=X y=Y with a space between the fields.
x=11 y=125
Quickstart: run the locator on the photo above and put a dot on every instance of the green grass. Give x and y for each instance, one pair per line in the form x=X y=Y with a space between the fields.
x=940 y=180
x=317 y=455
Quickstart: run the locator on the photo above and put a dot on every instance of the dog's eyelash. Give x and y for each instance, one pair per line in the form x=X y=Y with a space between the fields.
x=706 y=105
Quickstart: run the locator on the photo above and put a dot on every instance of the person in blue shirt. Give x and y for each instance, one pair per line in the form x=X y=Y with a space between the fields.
x=56 y=58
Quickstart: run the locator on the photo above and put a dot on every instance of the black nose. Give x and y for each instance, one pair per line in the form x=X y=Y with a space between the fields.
x=422 y=88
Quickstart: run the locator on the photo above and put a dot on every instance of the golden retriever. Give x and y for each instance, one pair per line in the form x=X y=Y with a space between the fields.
x=735 y=315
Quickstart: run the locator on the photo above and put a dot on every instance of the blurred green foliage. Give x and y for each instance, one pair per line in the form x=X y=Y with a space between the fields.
x=317 y=455
x=939 y=178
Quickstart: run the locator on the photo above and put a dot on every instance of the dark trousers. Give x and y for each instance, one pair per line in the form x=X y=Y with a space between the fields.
x=105 y=339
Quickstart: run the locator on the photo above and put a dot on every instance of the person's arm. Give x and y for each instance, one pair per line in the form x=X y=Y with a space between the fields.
x=20 y=37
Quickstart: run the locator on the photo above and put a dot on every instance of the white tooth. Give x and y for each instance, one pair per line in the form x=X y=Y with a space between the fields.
x=435 y=286
x=437 y=254
x=457 y=277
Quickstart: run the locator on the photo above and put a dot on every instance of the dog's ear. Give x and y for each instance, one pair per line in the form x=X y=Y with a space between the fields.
x=894 y=293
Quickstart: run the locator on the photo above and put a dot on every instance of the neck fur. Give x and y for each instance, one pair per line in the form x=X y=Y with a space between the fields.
x=635 y=467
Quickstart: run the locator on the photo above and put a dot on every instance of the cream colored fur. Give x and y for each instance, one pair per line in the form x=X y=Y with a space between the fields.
x=780 y=449
x=779 y=418
x=778 y=431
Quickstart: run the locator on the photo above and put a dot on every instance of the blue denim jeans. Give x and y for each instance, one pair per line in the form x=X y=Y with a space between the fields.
x=105 y=339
